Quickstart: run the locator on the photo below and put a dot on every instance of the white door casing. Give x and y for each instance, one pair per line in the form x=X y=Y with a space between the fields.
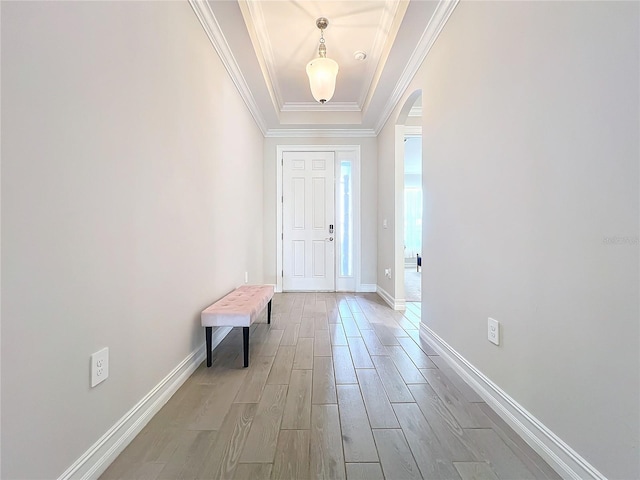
x=308 y=213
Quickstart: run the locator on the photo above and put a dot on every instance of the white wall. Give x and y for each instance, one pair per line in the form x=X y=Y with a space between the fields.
x=131 y=170
x=530 y=141
x=368 y=184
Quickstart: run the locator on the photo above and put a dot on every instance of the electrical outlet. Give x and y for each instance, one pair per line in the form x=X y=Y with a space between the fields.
x=99 y=366
x=387 y=272
x=493 y=333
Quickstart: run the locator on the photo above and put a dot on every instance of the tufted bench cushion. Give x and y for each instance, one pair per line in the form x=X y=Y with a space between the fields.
x=239 y=308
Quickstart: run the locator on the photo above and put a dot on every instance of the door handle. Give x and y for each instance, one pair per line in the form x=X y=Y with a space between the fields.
x=329 y=239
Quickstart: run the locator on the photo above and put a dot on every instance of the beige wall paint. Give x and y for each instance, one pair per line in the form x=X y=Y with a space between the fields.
x=386 y=206
x=391 y=175
x=131 y=172
x=530 y=167
x=368 y=186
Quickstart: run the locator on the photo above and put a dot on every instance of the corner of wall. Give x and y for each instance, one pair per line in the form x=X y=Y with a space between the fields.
x=101 y=454
x=395 y=303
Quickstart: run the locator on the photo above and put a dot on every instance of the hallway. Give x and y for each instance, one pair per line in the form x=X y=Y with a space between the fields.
x=338 y=386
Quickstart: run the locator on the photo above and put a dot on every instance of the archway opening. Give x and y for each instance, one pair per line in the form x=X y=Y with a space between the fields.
x=412 y=217
x=408 y=195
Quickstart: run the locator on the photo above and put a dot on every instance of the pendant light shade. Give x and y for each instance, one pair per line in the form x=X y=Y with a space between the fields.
x=322 y=74
x=322 y=71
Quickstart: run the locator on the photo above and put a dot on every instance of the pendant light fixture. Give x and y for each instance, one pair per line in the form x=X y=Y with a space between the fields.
x=322 y=71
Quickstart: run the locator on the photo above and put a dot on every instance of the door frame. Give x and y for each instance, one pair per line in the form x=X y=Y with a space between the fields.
x=408 y=131
x=342 y=152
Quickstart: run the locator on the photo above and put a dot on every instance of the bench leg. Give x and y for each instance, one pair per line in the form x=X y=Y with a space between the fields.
x=269 y=312
x=208 y=331
x=245 y=341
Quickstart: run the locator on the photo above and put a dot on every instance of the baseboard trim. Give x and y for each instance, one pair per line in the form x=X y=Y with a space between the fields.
x=367 y=288
x=562 y=458
x=396 y=304
x=96 y=459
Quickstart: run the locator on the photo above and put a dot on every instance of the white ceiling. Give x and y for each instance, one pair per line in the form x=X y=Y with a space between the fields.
x=266 y=45
x=369 y=26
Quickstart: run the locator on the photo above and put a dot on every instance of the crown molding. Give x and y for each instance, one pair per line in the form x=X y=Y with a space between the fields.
x=394 y=11
x=442 y=13
x=211 y=27
x=319 y=133
x=259 y=33
x=257 y=29
x=317 y=107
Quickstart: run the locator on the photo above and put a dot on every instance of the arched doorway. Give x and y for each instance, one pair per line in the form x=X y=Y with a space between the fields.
x=408 y=196
x=412 y=215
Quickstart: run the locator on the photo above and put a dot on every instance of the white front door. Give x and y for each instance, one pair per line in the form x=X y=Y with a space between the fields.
x=308 y=238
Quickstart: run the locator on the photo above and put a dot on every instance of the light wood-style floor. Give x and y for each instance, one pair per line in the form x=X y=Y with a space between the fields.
x=412 y=284
x=338 y=386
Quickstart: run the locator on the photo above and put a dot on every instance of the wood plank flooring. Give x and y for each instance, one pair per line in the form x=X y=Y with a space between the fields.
x=338 y=386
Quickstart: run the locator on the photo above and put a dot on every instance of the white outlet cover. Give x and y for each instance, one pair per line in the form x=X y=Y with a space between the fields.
x=99 y=367
x=493 y=331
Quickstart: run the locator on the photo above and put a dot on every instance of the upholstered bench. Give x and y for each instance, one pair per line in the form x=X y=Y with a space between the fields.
x=240 y=308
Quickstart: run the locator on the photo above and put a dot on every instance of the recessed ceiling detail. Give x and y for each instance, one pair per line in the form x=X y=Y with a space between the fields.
x=282 y=31
x=265 y=46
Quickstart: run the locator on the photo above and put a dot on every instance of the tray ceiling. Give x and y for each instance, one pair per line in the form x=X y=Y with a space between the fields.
x=266 y=45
